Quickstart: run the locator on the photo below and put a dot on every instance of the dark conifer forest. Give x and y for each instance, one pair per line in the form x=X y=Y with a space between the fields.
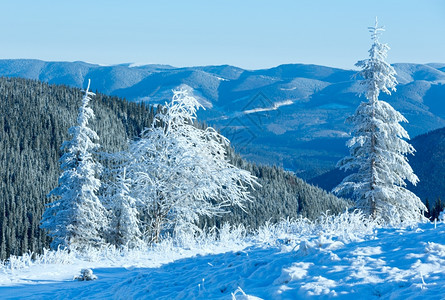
x=34 y=120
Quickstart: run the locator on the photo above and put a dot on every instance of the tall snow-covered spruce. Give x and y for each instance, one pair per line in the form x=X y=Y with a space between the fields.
x=76 y=219
x=378 y=148
x=180 y=172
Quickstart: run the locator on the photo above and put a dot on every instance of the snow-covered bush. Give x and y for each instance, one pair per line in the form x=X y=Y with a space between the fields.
x=346 y=227
x=232 y=233
x=59 y=256
x=86 y=275
x=301 y=234
x=179 y=172
x=442 y=216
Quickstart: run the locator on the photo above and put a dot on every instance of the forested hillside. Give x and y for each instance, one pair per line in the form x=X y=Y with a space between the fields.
x=281 y=195
x=34 y=119
x=429 y=165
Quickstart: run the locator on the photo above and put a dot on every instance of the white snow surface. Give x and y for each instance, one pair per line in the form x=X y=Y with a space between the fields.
x=287 y=261
x=275 y=106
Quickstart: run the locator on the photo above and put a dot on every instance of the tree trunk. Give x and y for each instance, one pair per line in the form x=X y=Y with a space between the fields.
x=373 y=209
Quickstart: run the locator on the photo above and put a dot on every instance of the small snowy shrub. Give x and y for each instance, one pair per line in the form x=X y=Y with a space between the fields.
x=298 y=234
x=232 y=234
x=346 y=227
x=86 y=275
x=442 y=216
x=59 y=256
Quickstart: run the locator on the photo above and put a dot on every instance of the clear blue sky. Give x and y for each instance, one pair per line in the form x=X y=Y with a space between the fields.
x=250 y=34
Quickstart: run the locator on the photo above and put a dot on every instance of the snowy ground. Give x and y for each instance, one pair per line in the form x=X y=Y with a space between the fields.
x=278 y=263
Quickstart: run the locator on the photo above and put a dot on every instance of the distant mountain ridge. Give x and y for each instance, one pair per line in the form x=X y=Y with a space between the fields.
x=290 y=115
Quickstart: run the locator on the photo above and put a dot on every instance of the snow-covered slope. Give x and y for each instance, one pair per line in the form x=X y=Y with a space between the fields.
x=342 y=258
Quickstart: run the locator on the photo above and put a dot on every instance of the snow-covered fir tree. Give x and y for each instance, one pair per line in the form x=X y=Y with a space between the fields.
x=77 y=218
x=180 y=171
x=124 y=225
x=378 y=148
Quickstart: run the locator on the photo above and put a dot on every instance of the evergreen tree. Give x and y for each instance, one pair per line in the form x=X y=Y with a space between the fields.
x=125 y=220
x=378 y=148
x=437 y=209
x=77 y=218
